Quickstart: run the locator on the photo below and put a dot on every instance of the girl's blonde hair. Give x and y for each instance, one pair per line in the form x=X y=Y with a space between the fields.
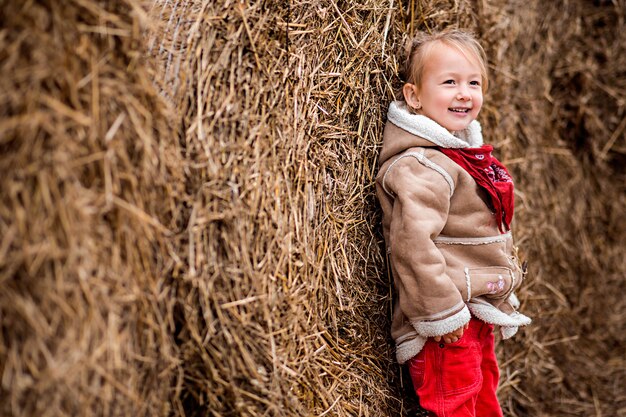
x=418 y=48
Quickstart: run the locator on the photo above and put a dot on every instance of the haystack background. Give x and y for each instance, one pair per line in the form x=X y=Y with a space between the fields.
x=89 y=181
x=188 y=223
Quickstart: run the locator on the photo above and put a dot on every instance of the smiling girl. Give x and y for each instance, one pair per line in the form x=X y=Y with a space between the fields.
x=447 y=208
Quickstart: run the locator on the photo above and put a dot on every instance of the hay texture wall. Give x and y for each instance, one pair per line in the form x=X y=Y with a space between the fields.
x=188 y=223
x=88 y=185
x=284 y=295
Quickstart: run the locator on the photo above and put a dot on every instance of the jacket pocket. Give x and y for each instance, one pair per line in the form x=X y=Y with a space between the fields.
x=492 y=282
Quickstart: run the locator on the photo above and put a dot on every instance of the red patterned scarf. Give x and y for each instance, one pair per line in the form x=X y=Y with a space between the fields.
x=489 y=174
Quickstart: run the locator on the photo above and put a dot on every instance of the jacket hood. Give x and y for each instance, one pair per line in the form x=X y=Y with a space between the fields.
x=405 y=130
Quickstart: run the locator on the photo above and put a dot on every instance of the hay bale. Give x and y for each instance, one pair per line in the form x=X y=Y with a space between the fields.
x=89 y=185
x=221 y=256
x=285 y=296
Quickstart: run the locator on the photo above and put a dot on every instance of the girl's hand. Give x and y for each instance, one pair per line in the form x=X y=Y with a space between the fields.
x=453 y=336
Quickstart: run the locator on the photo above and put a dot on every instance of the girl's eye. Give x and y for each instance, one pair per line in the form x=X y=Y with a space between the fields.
x=448 y=82
x=477 y=83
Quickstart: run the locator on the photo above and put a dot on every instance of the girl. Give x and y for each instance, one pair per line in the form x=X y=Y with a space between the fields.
x=447 y=209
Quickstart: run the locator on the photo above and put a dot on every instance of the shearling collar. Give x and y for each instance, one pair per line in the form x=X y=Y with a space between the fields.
x=428 y=129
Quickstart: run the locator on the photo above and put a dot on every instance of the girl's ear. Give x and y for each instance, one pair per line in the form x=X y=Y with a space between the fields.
x=410 y=96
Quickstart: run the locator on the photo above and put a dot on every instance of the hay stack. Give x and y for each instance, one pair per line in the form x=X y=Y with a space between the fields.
x=285 y=292
x=231 y=262
x=88 y=204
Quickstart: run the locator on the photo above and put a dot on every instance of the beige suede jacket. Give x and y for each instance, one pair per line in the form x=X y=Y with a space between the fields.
x=446 y=253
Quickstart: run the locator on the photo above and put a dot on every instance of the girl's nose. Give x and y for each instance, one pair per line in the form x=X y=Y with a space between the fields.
x=463 y=94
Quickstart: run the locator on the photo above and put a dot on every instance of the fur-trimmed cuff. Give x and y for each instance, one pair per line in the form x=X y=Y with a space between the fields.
x=508 y=332
x=406 y=350
x=490 y=314
x=445 y=326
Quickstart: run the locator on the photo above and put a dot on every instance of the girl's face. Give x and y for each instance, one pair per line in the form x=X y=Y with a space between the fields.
x=450 y=92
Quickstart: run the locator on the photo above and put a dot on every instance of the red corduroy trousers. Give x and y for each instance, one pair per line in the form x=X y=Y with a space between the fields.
x=458 y=379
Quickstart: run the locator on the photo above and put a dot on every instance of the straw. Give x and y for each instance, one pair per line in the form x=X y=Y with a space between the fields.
x=189 y=227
